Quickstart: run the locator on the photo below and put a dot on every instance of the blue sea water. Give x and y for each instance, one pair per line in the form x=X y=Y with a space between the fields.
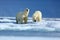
x=49 y=8
x=30 y=33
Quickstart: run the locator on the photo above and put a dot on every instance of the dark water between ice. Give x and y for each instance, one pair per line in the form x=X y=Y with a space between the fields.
x=29 y=33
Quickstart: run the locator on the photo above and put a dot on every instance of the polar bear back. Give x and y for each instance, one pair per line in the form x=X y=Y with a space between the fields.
x=37 y=13
x=19 y=15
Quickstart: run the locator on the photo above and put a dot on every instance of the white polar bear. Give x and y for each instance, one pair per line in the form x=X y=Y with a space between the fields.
x=37 y=16
x=22 y=16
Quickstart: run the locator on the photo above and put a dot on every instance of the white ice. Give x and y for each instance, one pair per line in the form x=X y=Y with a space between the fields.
x=48 y=24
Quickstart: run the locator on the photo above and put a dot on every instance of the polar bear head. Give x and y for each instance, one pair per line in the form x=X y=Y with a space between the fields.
x=26 y=12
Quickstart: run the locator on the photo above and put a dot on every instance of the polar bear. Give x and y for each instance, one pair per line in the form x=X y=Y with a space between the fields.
x=22 y=17
x=37 y=16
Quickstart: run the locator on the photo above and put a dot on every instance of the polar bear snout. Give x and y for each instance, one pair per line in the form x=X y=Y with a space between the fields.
x=34 y=20
x=27 y=10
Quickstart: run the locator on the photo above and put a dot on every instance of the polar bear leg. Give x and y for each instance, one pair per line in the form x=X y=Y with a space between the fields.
x=19 y=20
x=39 y=19
x=25 y=19
x=16 y=20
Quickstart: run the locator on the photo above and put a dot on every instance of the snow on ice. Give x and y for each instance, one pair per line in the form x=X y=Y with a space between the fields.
x=48 y=24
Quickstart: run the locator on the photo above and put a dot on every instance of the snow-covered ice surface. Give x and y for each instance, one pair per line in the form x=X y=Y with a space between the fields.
x=49 y=27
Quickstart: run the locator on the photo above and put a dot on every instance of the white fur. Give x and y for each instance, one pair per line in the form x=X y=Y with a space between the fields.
x=20 y=16
x=37 y=16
